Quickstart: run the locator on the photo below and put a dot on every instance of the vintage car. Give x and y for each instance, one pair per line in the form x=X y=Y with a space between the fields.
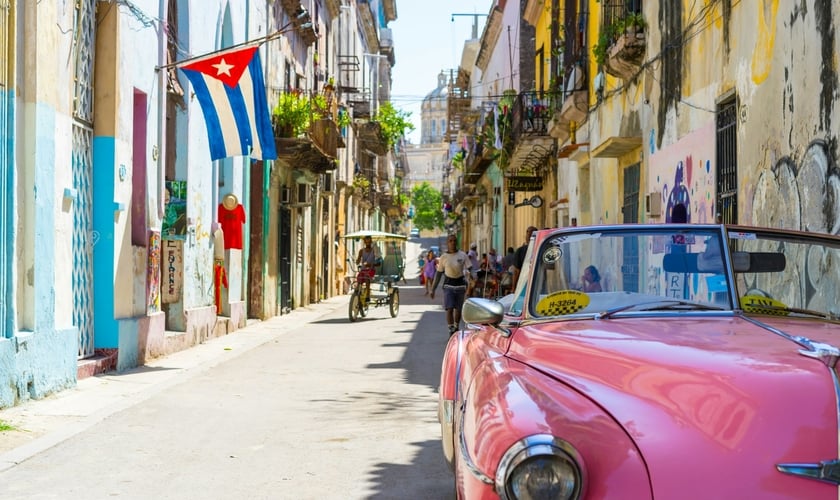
x=702 y=366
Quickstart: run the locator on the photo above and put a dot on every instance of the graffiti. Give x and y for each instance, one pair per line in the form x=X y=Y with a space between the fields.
x=679 y=193
x=153 y=273
x=803 y=196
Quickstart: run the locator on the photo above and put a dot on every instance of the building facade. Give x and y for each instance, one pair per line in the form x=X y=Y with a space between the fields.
x=635 y=106
x=172 y=247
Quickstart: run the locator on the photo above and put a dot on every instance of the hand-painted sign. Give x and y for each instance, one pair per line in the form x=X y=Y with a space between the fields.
x=173 y=271
x=524 y=183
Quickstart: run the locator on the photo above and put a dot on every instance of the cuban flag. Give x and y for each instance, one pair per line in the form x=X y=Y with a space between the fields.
x=230 y=89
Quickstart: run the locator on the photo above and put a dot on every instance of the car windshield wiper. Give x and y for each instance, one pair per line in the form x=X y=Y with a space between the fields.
x=807 y=312
x=660 y=305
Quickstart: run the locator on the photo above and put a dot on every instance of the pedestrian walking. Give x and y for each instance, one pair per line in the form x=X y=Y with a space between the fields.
x=453 y=268
x=429 y=270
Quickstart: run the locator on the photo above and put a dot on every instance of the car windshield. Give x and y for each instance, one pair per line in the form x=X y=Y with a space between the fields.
x=619 y=269
x=613 y=270
x=786 y=273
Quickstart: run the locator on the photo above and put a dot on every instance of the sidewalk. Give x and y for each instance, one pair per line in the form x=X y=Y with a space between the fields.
x=41 y=424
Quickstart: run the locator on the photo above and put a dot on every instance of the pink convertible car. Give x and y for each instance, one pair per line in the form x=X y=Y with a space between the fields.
x=669 y=361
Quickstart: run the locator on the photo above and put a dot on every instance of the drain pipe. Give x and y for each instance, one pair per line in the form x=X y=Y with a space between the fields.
x=161 y=118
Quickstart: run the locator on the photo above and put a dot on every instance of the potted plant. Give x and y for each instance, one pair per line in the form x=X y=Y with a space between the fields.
x=290 y=116
x=630 y=25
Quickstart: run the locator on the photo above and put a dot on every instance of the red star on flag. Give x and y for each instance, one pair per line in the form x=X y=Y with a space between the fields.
x=227 y=67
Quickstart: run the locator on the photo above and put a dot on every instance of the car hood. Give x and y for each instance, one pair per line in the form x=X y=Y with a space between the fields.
x=711 y=397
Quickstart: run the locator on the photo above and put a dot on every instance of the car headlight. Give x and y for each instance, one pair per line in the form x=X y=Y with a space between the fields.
x=540 y=466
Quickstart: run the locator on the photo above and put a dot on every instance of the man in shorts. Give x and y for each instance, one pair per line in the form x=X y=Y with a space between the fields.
x=453 y=267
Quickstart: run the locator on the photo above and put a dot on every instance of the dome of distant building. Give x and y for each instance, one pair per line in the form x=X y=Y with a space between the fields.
x=434 y=112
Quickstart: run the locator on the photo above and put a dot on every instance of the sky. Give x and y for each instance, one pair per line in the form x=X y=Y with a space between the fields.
x=427 y=40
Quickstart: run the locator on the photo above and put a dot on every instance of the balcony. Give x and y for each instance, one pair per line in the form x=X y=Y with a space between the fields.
x=390 y=9
x=458 y=106
x=326 y=137
x=301 y=20
x=575 y=107
x=301 y=152
x=626 y=55
x=532 y=143
x=480 y=154
x=369 y=136
x=368 y=23
x=621 y=42
x=386 y=42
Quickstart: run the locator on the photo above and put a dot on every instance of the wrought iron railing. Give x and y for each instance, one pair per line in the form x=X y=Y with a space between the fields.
x=531 y=115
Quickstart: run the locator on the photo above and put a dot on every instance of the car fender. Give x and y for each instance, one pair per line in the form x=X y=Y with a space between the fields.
x=507 y=401
x=447 y=392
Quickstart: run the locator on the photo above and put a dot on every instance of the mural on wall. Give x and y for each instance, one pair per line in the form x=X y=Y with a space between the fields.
x=153 y=274
x=683 y=173
x=174 y=226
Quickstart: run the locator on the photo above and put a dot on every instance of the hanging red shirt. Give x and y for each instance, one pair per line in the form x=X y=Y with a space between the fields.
x=231 y=222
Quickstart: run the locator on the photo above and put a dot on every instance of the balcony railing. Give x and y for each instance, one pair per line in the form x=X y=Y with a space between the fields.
x=530 y=140
x=531 y=115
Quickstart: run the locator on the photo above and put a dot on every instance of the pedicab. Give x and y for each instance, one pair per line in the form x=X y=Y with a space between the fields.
x=380 y=287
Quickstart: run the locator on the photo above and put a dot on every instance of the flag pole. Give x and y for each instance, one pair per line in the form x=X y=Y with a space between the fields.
x=259 y=41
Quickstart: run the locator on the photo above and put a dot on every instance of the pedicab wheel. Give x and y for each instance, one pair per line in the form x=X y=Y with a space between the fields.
x=353 y=311
x=394 y=303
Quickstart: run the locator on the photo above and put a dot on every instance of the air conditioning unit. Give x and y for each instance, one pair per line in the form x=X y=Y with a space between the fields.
x=285 y=195
x=303 y=194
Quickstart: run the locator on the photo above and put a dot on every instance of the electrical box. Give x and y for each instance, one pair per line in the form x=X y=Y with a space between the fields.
x=654 y=204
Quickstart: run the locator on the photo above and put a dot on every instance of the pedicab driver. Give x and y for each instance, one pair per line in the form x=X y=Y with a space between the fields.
x=367 y=260
x=454 y=266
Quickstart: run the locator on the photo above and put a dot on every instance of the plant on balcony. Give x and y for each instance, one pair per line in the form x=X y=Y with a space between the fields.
x=394 y=123
x=505 y=129
x=632 y=23
x=343 y=118
x=290 y=115
x=294 y=112
x=361 y=185
x=458 y=160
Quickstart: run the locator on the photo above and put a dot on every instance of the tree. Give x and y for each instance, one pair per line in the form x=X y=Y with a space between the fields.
x=428 y=211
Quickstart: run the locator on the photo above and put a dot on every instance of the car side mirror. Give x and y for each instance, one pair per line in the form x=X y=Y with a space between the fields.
x=480 y=311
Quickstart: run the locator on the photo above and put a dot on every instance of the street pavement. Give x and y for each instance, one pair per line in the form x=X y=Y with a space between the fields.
x=353 y=408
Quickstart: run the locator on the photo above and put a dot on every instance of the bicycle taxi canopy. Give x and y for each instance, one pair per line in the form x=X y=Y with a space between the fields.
x=375 y=235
